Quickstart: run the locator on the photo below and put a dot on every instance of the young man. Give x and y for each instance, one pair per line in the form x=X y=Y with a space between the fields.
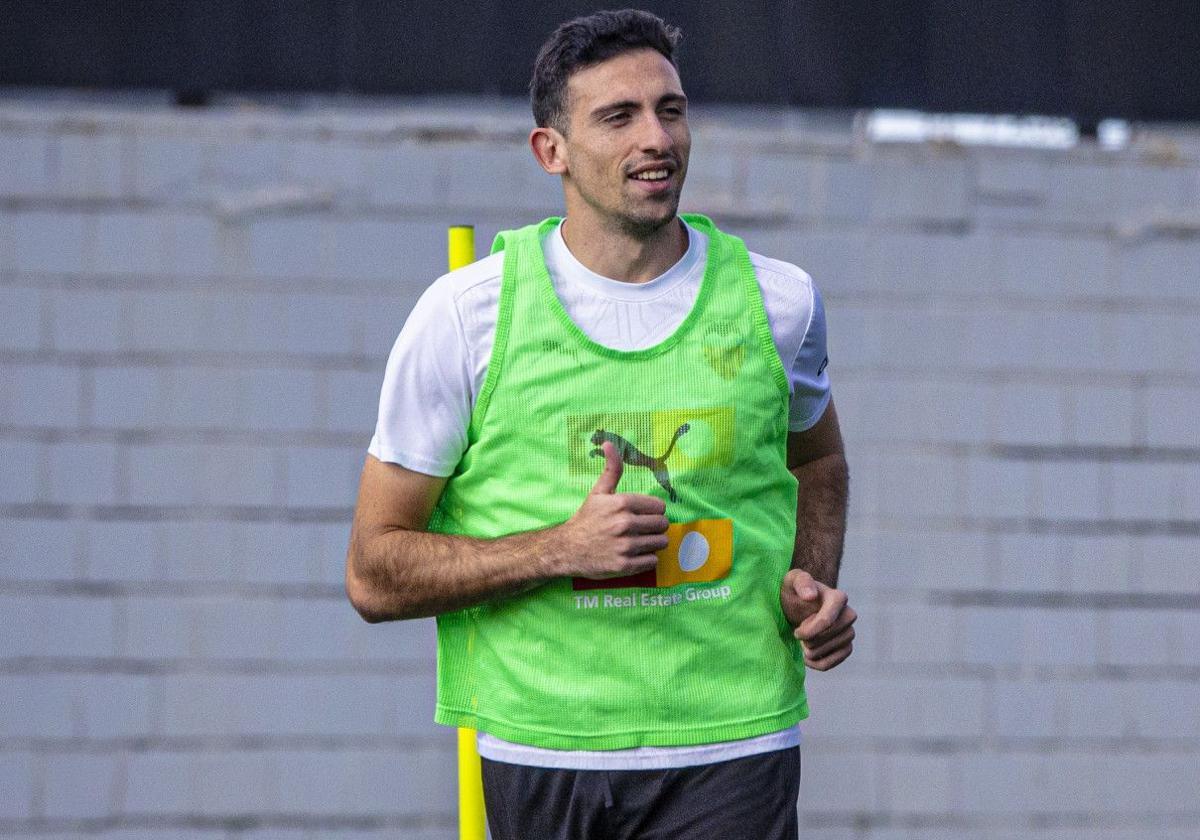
x=608 y=461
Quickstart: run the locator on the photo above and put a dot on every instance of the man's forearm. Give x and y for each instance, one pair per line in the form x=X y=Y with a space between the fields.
x=411 y=574
x=821 y=517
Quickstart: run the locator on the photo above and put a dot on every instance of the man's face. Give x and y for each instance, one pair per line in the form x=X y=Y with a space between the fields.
x=627 y=140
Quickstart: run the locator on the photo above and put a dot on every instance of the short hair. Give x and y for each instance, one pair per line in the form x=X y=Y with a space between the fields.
x=590 y=40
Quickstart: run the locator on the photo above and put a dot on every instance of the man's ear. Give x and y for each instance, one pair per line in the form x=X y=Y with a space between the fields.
x=549 y=149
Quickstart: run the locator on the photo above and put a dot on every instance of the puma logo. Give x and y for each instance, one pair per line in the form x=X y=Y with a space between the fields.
x=634 y=457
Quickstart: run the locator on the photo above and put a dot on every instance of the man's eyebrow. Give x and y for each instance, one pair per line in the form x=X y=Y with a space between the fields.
x=629 y=104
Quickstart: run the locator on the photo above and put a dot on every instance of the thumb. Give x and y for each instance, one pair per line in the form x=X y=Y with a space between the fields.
x=805 y=587
x=611 y=476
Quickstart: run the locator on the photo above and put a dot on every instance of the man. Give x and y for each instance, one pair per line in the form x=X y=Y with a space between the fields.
x=607 y=460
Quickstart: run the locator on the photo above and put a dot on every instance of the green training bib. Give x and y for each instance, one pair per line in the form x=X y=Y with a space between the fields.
x=695 y=651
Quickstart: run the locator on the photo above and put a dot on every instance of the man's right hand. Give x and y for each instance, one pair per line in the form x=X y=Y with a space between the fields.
x=612 y=534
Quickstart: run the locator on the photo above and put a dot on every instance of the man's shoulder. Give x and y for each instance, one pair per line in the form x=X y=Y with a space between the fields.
x=463 y=282
x=771 y=270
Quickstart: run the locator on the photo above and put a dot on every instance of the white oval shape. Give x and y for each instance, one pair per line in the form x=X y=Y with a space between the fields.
x=693 y=551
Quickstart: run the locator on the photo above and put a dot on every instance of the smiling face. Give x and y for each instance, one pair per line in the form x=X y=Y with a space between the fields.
x=625 y=152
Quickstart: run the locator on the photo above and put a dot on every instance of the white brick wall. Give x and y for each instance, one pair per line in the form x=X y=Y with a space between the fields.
x=195 y=310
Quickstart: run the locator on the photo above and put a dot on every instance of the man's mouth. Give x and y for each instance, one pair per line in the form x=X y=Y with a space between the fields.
x=652 y=175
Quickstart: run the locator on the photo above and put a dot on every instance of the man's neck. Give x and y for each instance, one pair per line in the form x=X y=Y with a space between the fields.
x=623 y=256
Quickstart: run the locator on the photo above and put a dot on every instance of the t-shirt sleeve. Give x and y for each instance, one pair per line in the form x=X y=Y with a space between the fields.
x=425 y=401
x=809 y=375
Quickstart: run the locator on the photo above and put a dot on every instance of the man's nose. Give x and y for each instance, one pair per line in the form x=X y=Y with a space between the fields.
x=654 y=135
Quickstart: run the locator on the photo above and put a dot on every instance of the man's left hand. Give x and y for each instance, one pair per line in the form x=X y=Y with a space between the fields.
x=822 y=617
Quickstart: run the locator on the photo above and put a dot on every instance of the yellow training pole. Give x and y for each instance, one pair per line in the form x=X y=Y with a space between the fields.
x=471 y=819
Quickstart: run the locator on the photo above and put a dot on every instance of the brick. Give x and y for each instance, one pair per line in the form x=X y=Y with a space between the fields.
x=1026 y=414
x=921 y=264
x=779 y=183
x=89 y=321
x=1029 y=709
x=204 y=398
x=1168 y=709
x=714 y=176
x=922 y=784
x=200 y=551
x=239 y=475
x=158 y=628
x=352 y=401
x=89 y=165
x=224 y=628
x=40 y=395
x=129 y=243
x=838 y=780
x=997 y=487
x=838 y=261
x=16 y=780
x=193 y=245
x=1045 y=266
x=1169 y=564
x=80 y=786
x=1152 y=491
x=853 y=342
x=920 y=190
x=165 y=321
x=38 y=549
x=214 y=784
x=898 y=707
x=83 y=473
x=22 y=472
x=287 y=248
x=487 y=176
x=1171 y=416
x=1138 y=637
x=329 y=558
x=1098 y=709
x=276 y=552
x=1160 y=342
x=246 y=323
x=24 y=170
x=1080 y=341
x=844 y=189
x=280 y=706
x=38 y=706
x=126 y=550
x=365 y=249
x=412 y=642
x=237 y=159
x=36 y=626
x=1009 y=784
x=166 y=474
x=1072 y=489
x=130 y=397
x=1101 y=416
x=932 y=560
x=323 y=476
x=334 y=165
x=168 y=166
x=1159 y=270
x=279 y=399
x=322 y=324
x=1032 y=563
x=403 y=175
x=20 y=318
x=1099 y=564
x=365 y=782
x=51 y=242
x=918 y=485
x=113 y=705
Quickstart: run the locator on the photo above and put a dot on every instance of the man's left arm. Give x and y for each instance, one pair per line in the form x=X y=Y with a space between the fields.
x=811 y=601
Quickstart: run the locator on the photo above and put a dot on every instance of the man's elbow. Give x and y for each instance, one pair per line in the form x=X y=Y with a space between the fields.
x=359 y=592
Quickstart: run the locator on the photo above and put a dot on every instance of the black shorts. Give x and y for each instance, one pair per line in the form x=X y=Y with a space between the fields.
x=752 y=798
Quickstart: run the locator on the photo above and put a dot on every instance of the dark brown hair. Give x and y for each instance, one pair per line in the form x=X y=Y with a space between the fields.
x=590 y=40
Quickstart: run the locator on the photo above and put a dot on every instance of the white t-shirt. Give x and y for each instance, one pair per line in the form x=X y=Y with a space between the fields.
x=439 y=362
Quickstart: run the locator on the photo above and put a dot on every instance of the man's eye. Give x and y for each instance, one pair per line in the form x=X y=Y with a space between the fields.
x=617 y=118
x=672 y=112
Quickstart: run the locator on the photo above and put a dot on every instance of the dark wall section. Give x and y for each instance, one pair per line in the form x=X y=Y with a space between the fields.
x=1085 y=58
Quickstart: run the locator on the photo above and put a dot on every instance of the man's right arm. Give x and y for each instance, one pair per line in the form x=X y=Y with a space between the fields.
x=396 y=569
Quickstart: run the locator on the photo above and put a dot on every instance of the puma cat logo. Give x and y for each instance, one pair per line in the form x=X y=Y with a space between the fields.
x=634 y=457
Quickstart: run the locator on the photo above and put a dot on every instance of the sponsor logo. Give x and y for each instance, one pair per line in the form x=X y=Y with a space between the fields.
x=696 y=552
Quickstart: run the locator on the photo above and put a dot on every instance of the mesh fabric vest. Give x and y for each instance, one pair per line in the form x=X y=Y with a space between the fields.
x=695 y=651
